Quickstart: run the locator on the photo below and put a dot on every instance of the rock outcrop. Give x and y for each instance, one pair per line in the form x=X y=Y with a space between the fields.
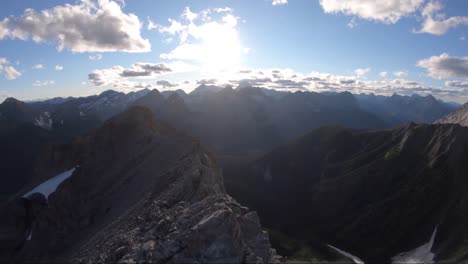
x=459 y=116
x=141 y=192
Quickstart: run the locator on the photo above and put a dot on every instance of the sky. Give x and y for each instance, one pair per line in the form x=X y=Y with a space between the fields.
x=82 y=47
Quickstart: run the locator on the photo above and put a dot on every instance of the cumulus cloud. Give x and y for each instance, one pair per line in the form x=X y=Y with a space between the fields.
x=166 y=84
x=458 y=84
x=436 y=22
x=207 y=82
x=285 y=80
x=145 y=69
x=88 y=26
x=58 y=67
x=383 y=74
x=352 y=23
x=43 y=83
x=279 y=2
x=95 y=57
x=385 y=11
x=401 y=74
x=444 y=66
x=362 y=72
x=8 y=71
x=38 y=67
x=290 y=80
x=119 y=76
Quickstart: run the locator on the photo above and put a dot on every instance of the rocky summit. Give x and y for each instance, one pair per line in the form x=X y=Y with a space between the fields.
x=139 y=192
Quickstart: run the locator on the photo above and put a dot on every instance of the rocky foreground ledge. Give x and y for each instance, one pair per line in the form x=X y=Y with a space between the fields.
x=141 y=192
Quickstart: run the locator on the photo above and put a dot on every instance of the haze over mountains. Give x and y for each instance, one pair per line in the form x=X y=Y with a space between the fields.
x=228 y=121
x=148 y=174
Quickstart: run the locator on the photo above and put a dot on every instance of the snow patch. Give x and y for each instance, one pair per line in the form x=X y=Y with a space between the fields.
x=50 y=186
x=420 y=255
x=348 y=255
x=44 y=120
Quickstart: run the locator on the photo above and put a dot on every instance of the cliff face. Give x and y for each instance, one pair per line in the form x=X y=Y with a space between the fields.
x=140 y=191
x=459 y=116
x=374 y=194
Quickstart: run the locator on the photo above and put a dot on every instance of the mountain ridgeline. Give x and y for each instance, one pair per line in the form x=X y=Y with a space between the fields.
x=375 y=194
x=145 y=177
x=140 y=192
x=231 y=122
x=460 y=116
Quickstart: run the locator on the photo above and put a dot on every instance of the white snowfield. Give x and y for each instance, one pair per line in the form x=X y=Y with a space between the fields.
x=419 y=255
x=348 y=255
x=50 y=186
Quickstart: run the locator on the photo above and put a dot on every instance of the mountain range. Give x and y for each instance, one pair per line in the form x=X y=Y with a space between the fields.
x=147 y=177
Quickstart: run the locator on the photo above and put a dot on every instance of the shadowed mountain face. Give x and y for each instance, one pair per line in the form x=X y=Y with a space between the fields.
x=251 y=120
x=298 y=113
x=375 y=194
x=26 y=128
x=398 y=109
x=459 y=116
x=236 y=124
x=141 y=192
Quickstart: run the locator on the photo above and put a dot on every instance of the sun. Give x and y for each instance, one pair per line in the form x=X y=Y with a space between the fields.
x=220 y=46
x=209 y=41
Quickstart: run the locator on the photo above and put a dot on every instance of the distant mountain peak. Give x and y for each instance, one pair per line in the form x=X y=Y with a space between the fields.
x=204 y=88
x=12 y=100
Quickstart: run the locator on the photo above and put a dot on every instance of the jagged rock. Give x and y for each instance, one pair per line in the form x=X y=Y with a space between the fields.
x=459 y=116
x=142 y=193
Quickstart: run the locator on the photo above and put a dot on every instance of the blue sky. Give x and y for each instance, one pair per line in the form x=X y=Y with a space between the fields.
x=83 y=47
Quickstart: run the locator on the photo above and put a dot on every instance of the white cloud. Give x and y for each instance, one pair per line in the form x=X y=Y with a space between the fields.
x=119 y=76
x=445 y=66
x=95 y=57
x=43 y=83
x=279 y=2
x=58 y=67
x=458 y=84
x=401 y=74
x=38 y=67
x=209 y=38
x=353 y=23
x=88 y=26
x=383 y=74
x=282 y=79
x=166 y=84
x=8 y=71
x=385 y=11
x=436 y=22
x=362 y=72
